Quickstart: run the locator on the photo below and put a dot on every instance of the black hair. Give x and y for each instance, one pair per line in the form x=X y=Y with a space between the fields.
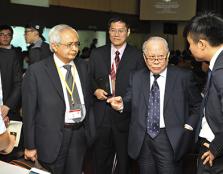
x=6 y=27
x=208 y=26
x=118 y=19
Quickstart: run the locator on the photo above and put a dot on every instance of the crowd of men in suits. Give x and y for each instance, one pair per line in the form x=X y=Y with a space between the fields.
x=125 y=104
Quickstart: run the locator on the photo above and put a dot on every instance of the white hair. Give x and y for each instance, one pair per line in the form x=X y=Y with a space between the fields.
x=54 y=34
x=155 y=38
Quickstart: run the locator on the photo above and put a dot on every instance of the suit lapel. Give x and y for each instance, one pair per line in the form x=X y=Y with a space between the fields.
x=53 y=76
x=170 y=79
x=107 y=58
x=124 y=60
x=146 y=86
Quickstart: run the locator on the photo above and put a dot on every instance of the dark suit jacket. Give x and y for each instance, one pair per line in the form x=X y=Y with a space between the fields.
x=214 y=107
x=100 y=66
x=11 y=76
x=44 y=107
x=181 y=105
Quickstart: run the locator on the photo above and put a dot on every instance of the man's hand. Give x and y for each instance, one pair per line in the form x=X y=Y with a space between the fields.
x=4 y=110
x=30 y=154
x=116 y=103
x=207 y=157
x=101 y=94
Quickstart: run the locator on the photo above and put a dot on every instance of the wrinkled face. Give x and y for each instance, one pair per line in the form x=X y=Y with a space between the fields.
x=118 y=33
x=30 y=34
x=68 y=48
x=156 y=56
x=5 y=37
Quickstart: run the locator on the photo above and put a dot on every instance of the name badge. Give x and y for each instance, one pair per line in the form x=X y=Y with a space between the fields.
x=72 y=115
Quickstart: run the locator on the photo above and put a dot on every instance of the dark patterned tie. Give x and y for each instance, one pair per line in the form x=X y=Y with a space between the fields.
x=113 y=73
x=153 y=120
x=69 y=79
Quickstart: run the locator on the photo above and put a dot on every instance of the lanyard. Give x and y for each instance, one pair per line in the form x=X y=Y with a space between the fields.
x=70 y=91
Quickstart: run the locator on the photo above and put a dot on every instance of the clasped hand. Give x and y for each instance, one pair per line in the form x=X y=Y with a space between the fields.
x=207 y=157
x=116 y=103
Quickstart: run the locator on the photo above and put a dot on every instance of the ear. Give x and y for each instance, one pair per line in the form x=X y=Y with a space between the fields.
x=128 y=32
x=168 y=55
x=54 y=46
x=202 y=44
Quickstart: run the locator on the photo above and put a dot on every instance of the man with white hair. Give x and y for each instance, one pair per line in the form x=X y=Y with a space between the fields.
x=165 y=104
x=55 y=105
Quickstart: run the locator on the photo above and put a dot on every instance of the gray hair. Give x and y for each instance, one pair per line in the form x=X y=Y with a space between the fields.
x=155 y=38
x=54 y=34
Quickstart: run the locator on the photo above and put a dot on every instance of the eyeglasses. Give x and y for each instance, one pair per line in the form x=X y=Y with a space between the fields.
x=6 y=34
x=71 y=44
x=119 y=31
x=153 y=58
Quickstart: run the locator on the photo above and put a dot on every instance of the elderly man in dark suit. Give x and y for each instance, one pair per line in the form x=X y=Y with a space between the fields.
x=56 y=104
x=165 y=104
x=205 y=37
x=116 y=60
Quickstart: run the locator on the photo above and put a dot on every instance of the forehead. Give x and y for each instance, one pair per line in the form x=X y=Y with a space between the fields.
x=190 y=39
x=69 y=35
x=118 y=24
x=5 y=31
x=155 y=46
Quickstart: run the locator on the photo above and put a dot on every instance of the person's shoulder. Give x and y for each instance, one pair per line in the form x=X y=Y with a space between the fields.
x=179 y=71
x=45 y=45
x=133 y=48
x=140 y=72
x=80 y=61
x=101 y=48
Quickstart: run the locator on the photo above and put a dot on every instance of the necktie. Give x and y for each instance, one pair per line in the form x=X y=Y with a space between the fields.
x=74 y=99
x=114 y=71
x=205 y=91
x=153 y=119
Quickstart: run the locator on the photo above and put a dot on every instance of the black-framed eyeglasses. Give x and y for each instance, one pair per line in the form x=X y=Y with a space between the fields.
x=70 y=44
x=153 y=58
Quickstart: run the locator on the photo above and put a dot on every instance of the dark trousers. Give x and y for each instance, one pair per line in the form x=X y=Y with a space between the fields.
x=71 y=155
x=109 y=142
x=217 y=167
x=157 y=157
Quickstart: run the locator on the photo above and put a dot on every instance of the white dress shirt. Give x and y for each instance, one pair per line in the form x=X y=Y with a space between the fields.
x=206 y=131
x=60 y=65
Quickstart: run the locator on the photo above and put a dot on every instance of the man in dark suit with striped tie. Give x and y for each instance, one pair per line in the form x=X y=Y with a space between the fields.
x=119 y=60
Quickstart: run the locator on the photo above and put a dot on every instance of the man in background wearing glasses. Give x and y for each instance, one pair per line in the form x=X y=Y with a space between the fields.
x=56 y=101
x=37 y=49
x=165 y=103
x=115 y=60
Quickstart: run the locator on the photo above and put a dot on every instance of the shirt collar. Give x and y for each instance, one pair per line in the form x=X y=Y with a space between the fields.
x=162 y=74
x=59 y=63
x=214 y=58
x=121 y=50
